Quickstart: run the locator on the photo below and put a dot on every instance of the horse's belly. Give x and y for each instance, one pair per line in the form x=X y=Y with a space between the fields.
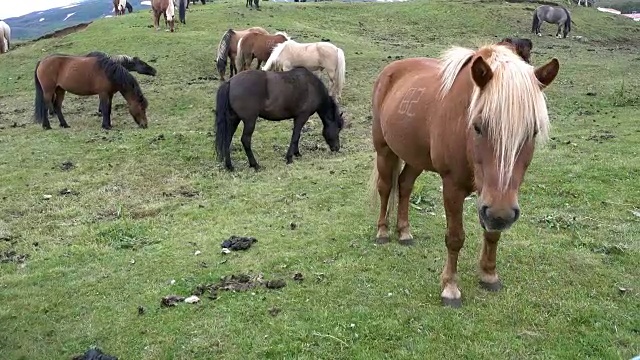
x=407 y=139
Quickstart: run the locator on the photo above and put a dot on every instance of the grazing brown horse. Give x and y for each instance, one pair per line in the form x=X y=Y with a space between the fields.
x=257 y=46
x=522 y=47
x=228 y=48
x=85 y=75
x=163 y=8
x=471 y=116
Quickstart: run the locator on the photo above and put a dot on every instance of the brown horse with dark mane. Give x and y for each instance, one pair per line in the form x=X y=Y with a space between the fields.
x=85 y=76
x=163 y=8
x=472 y=117
x=228 y=48
x=257 y=46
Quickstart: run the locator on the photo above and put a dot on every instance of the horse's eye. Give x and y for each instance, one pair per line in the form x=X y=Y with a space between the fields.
x=477 y=129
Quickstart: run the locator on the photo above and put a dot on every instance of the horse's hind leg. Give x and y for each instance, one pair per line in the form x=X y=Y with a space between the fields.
x=453 y=198
x=57 y=107
x=559 y=30
x=259 y=64
x=406 y=181
x=387 y=164
x=247 y=132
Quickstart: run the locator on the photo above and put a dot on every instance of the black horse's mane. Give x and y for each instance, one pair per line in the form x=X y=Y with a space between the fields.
x=118 y=74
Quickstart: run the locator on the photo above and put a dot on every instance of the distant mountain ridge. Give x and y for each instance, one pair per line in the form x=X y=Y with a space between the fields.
x=39 y=23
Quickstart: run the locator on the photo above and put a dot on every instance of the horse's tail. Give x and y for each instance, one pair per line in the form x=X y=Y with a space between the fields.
x=275 y=54
x=373 y=185
x=340 y=70
x=223 y=112
x=40 y=106
x=536 y=21
x=182 y=11
x=223 y=51
x=567 y=23
x=240 y=54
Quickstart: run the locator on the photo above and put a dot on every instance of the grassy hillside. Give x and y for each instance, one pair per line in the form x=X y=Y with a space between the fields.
x=142 y=202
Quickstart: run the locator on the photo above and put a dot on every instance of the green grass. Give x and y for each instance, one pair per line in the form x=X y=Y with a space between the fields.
x=128 y=229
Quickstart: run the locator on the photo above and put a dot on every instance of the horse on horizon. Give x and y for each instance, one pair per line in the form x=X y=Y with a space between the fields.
x=163 y=8
x=84 y=76
x=228 y=48
x=273 y=96
x=194 y=2
x=119 y=7
x=558 y=15
x=5 y=37
x=257 y=46
x=315 y=56
x=129 y=7
x=473 y=116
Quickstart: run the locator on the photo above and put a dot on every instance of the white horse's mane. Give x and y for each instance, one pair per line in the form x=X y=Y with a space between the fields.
x=512 y=105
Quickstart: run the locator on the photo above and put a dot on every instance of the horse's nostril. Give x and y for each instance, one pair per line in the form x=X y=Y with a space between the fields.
x=484 y=211
x=516 y=213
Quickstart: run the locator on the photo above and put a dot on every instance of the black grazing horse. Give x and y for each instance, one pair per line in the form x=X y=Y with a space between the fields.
x=275 y=96
x=194 y=2
x=129 y=7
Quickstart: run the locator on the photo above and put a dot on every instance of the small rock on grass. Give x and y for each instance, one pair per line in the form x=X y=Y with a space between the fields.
x=192 y=299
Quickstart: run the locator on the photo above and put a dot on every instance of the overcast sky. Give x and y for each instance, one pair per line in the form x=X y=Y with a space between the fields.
x=23 y=7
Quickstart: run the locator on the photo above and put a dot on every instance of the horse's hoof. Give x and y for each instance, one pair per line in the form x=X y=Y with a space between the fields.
x=493 y=287
x=452 y=303
x=297 y=154
x=46 y=127
x=382 y=240
x=65 y=126
x=106 y=127
x=289 y=160
x=406 y=242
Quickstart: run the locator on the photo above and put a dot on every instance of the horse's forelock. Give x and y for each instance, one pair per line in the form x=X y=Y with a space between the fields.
x=512 y=107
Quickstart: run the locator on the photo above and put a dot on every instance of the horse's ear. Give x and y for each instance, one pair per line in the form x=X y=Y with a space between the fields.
x=547 y=72
x=481 y=72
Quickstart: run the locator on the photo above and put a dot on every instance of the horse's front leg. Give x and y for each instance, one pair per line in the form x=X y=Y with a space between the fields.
x=247 y=132
x=406 y=180
x=298 y=123
x=454 y=239
x=105 y=102
x=259 y=64
x=558 y=32
x=489 y=279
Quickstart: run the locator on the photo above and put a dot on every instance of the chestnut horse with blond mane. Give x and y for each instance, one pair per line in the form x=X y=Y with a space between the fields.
x=228 y=48
x=257 y=46
x=473 y=117
x=166 y=8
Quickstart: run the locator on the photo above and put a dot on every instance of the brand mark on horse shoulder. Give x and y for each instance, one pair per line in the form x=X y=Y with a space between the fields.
x=411 y=97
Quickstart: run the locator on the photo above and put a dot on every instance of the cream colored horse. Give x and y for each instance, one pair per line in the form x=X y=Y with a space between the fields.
x=316 y=56
x=5 y=37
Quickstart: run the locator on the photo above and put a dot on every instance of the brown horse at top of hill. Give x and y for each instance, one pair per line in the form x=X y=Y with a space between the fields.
x=228 y=48
x=163 y=8
x=257 y=46
x=473 y=117
x=84 y=76
x=522 y=47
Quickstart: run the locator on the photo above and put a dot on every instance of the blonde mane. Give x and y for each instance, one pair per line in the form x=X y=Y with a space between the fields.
x=283 y=34
x=512 y=105
x=171 y=11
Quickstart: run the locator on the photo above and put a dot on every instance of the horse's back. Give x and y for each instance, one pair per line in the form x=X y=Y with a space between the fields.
x=399 y=76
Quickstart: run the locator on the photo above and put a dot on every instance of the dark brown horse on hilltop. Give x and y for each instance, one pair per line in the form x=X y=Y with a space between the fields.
x=257 y=46
x=85 y=75
x=274 y=96
x=473 y=117
x=228 y=48
x=163 y=8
